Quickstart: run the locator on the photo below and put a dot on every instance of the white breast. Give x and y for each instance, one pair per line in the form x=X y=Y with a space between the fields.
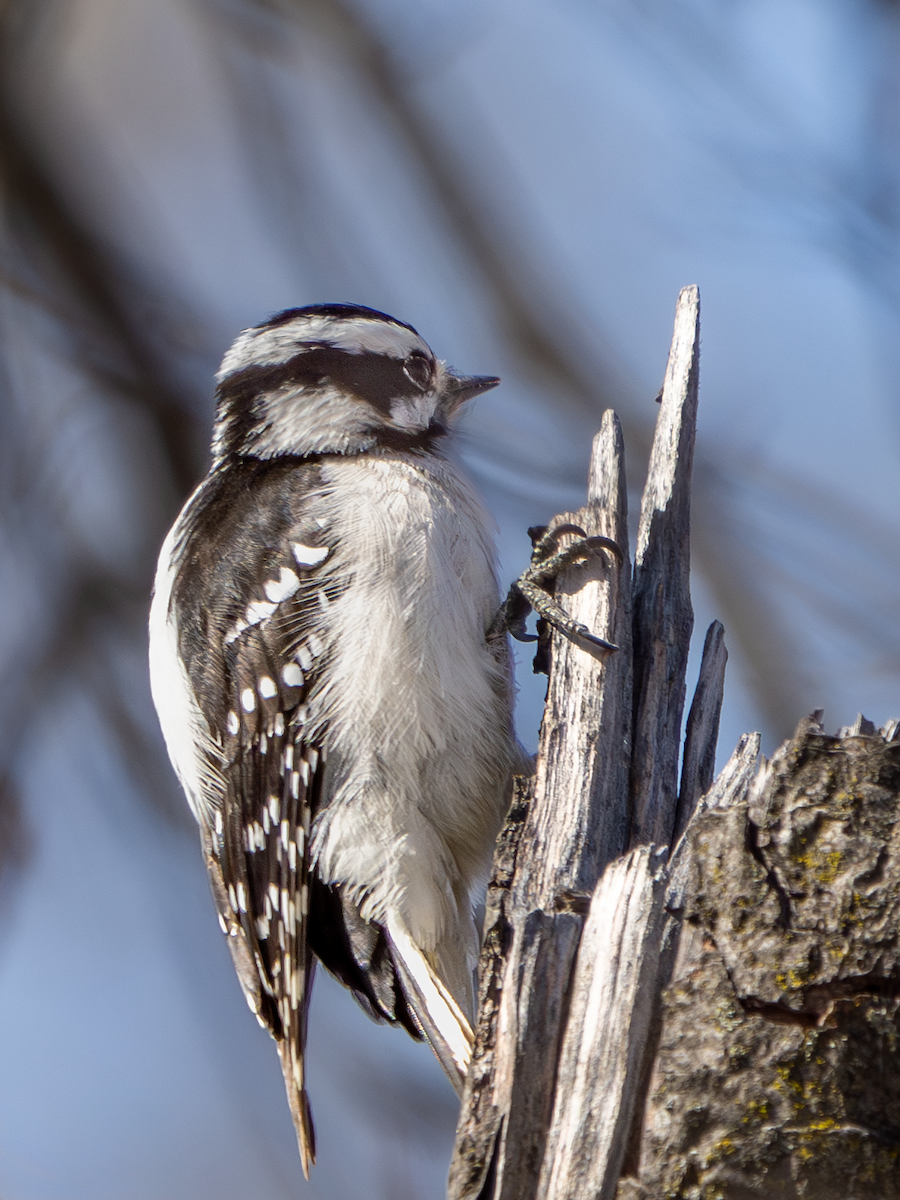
x=416 y=706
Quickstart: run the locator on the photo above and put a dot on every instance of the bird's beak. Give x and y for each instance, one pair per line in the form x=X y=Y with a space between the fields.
x=460 y=388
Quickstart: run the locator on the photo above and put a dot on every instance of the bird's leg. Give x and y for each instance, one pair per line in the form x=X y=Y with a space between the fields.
x=529 y=591
x=511 y=616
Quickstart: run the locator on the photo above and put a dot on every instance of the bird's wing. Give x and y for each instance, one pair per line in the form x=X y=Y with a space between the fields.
x=246 y=593
x=259 y=860
x=250 y=593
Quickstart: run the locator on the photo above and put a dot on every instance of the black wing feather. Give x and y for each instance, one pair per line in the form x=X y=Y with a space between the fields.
x=271 y=781
x=274 y=910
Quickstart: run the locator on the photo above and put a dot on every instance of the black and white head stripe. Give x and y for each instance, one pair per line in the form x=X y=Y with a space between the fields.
x=350 y=328
x=334 y=379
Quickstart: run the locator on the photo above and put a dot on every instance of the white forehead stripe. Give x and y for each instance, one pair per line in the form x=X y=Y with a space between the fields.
x=356 y=335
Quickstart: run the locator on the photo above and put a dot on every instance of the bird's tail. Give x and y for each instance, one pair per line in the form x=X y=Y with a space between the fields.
x=292 y=1067
x=443 y=1021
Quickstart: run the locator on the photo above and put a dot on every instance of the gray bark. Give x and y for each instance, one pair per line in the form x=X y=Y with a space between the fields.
x=683 y=992
x=777 y=1073
x=663 y=617
x=571 y=835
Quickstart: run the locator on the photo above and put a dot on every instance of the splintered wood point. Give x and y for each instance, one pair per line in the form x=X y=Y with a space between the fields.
x=663 y=616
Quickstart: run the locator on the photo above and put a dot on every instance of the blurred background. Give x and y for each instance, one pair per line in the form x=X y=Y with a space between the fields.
x=529 y=184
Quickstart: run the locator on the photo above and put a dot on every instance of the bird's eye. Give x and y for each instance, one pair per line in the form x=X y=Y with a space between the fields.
x=417 y=368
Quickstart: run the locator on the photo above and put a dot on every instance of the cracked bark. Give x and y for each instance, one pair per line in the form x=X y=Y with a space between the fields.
x=684 y=993
x=778 y=1068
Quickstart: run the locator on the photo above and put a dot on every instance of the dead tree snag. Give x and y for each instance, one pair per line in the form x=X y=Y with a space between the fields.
x=688 y=990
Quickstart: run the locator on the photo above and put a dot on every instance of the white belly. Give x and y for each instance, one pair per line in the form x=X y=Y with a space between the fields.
x=416 y=706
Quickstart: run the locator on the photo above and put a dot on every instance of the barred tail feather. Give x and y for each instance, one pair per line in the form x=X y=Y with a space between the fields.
x=445 y=1024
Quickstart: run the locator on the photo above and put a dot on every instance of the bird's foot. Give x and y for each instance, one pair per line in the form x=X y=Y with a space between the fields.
x=529 y=591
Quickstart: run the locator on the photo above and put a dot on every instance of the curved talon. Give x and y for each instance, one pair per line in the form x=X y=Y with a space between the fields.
x=566 y=527
x=550 y=538
x=515 y=621
x=595 y=640
x=525 y=637
x=547 y=538
x=574 y=629
x=511 y=616
x=528 y=592
x=598 y=542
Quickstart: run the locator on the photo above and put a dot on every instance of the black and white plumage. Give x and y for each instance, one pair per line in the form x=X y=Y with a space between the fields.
x=334 y=695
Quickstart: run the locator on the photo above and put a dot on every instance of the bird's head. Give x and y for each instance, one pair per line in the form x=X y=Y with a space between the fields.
x=334 y=379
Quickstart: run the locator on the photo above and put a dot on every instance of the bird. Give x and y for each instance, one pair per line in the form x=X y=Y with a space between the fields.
x=331 y=680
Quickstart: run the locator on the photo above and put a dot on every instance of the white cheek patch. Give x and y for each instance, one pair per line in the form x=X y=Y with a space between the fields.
x=413 y=412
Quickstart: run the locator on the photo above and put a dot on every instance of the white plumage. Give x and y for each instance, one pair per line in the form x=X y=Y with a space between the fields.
x=416 y=704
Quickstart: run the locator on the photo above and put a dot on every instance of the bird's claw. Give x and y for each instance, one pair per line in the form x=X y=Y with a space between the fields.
x=596 y=640
x=528 y=591
x=512 y=616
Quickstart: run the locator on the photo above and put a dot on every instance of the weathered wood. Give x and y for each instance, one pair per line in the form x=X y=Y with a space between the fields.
x=861 y=727
x=702 y=730
x=579 y=822
x=778 y=1072
x=612 y=1005
x=730 y=785
x=594 y=1109
x=663 y=617
x=585 y=735
x=480 y=1118
x=575 y=825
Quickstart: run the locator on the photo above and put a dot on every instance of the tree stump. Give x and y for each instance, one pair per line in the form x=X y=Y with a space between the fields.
x=688 y=989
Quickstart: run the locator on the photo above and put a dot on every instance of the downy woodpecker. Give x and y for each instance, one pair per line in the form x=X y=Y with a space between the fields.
x=333 y=688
